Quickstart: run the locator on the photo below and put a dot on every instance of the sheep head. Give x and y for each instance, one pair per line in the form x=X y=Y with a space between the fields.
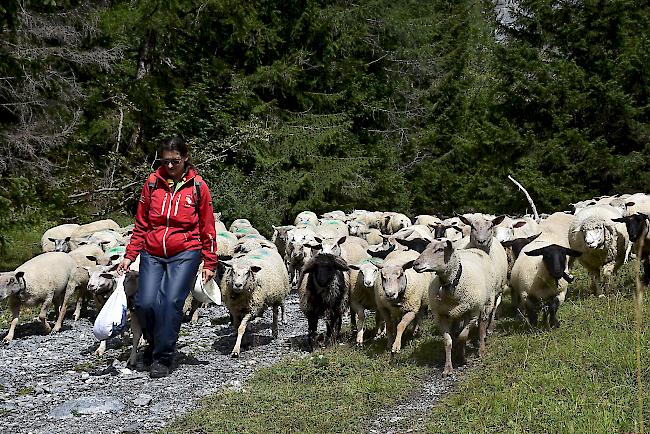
x=393 y=279
x=554 y=258
x=11 y=283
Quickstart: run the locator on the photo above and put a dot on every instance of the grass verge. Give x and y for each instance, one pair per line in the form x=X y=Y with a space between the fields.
x=329 y=391
x=579 y=378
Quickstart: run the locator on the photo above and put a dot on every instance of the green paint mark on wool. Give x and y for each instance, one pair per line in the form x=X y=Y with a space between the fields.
x=117 y=250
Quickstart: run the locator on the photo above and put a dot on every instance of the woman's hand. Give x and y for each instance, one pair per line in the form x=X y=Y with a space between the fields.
x=124 y=266
x=207 y=275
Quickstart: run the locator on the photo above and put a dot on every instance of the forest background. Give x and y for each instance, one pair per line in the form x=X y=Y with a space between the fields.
x=411 y=106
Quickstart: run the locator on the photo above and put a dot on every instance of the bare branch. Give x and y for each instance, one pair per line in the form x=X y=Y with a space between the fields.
x=530 y=200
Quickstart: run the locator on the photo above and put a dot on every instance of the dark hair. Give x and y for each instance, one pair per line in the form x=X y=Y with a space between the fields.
x=174 y=144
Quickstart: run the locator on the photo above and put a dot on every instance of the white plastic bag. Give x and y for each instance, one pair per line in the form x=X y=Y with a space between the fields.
x=112 y=318
x=206 y=293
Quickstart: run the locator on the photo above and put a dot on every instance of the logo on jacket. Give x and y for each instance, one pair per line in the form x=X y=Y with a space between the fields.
x=188 y=200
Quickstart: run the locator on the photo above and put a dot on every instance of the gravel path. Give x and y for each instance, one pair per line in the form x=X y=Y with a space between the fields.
x=54 y=383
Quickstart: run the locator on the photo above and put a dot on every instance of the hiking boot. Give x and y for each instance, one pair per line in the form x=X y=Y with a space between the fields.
x=158 y=370
x=144 y=363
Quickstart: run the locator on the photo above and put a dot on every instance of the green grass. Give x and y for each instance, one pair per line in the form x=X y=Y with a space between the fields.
x=21 y=244
x=579 y=378
x=329 y=391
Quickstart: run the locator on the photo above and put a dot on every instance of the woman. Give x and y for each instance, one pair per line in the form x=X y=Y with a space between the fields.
x=174 y=230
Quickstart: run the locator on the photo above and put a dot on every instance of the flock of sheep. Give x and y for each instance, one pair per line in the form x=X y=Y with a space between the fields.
x=456 y=268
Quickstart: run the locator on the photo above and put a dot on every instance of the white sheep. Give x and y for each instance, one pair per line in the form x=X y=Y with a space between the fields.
x=60 y=232
x=430 y=221
x=45 y=279
x=602 y=242
x=402 y=295
x=540 y=277
x=306 y=217
x=88 y=229
x=238 y=224
x=226 y=244
x=393 y=222
x=465 y=294
x=252 y=283
x=482 y=238
x=363 y=277
x=331 y=228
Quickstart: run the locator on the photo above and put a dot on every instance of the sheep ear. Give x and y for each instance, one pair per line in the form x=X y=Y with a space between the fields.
x=497 y=220
x=275 y=228
x=507 y=243
x=52 y=239
x=255 y=268
x=408 y=265
x=519 y=224
x=533 y=237
x=341 y=240
x=217 y=215
x=620 y=219
x=114 y=257
x=456 y=228
x=630 y=204
x=67 y=239
x=354 y=266
x=319 y=240
x=91 y=258
x=386 y=219
x=226 y=263
x=107 y=276
x=465 y=220
x=20 y=274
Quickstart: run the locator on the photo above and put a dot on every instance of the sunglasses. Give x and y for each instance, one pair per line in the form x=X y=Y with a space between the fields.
x=167 y=161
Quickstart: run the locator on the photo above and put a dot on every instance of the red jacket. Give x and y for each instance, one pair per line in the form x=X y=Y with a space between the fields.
x=167 y=223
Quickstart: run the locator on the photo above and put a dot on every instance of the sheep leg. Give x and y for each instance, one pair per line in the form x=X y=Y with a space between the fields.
x=596 y=284
x=312 y=325
x=608 y=274
x=446 y=336
x=462 y=340
x=274 y=327
x=240 y=334
x=69 y=290
x=553 y=307
x=14 y=306
x=531 y=311
x=283 y=319
x=406 y=320
x=42 y=316
x=358 y=313
x=628 y=250
x=137 y=335
x=482 y=332
x=101 y=349
x=646 y=271
x=380 y=325
x=81 y=298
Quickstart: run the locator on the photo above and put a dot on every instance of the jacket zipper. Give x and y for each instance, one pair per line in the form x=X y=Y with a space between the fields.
x=169 y=210
x=211 y=244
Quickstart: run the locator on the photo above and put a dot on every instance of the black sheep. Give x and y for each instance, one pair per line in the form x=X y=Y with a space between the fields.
x=323 y=286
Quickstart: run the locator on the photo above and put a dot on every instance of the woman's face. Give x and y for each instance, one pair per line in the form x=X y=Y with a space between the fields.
x=174 y=164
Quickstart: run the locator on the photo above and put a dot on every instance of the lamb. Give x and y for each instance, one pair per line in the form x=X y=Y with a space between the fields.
x=298 y=252
x=323 y=287
x=540 y=277
x=281 y=236
x=103 y=281
x=465 y=296
x=602 y=242
x=61 y=232
x=402 y=295
x=250 y=284
x=362 y=295
x=46 y=278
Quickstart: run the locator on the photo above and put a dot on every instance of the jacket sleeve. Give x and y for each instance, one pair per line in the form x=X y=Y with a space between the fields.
x=142 y=225
x=207 y=230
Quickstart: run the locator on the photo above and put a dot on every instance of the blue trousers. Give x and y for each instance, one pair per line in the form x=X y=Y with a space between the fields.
x=162 y=289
